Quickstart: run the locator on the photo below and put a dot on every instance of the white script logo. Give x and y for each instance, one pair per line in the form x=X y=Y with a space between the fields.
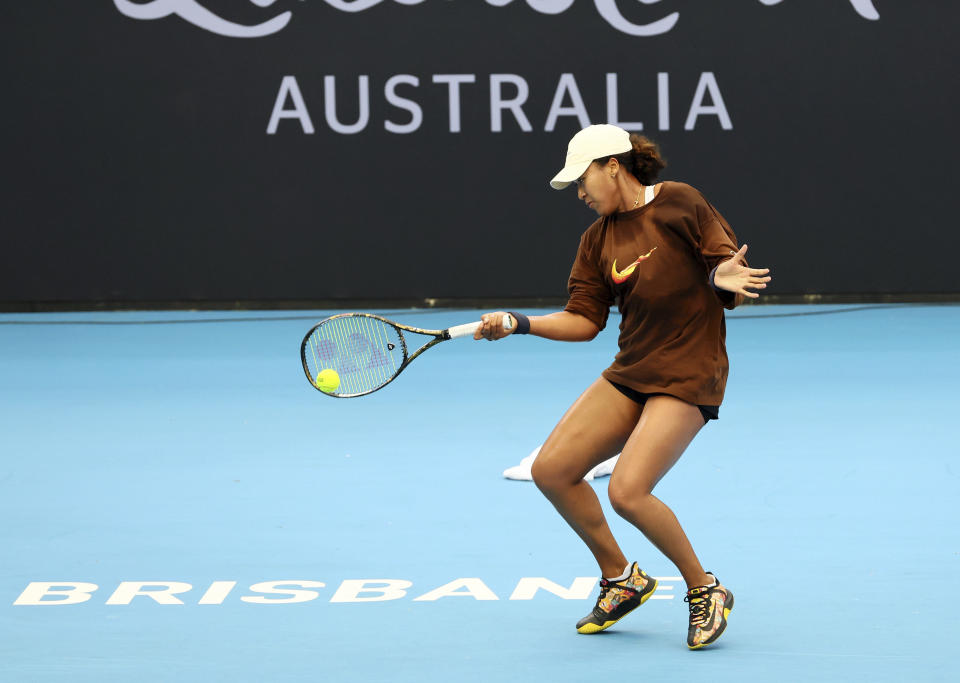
x=198 y=15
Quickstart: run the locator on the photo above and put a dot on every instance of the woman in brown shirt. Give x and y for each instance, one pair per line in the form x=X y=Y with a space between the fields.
x=671 y=263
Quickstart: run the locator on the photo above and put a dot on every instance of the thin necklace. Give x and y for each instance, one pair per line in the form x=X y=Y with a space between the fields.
x=637 y=200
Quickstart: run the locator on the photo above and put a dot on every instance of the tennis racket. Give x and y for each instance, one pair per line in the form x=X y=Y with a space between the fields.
x=354 y=354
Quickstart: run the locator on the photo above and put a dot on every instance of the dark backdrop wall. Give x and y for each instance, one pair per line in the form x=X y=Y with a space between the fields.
x=215 y=150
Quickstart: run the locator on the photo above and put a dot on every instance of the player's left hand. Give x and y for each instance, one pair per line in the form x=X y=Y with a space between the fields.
x=734 y=275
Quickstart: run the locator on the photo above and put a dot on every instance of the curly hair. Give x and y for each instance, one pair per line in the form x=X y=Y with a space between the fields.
x=643 y=161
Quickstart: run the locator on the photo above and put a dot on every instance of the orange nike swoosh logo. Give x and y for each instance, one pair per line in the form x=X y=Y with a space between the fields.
x=621 y=276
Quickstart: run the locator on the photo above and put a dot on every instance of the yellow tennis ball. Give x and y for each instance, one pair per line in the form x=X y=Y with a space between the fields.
x=328 y=380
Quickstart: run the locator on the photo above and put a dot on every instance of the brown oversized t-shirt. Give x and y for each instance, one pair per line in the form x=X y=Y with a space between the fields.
x=655 y=262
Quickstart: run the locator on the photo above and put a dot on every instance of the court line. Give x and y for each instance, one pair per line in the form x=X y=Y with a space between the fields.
x=426 y=311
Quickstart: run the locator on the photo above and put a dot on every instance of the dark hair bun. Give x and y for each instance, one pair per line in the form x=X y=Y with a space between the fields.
x=647 y=162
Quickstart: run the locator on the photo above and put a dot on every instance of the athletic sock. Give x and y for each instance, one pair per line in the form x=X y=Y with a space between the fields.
x=626 y=573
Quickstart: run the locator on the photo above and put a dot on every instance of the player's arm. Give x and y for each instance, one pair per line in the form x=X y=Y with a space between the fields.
x=564 y=326
x=559 y=326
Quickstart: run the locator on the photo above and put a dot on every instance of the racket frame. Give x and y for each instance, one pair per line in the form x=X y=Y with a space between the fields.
x=438 y=336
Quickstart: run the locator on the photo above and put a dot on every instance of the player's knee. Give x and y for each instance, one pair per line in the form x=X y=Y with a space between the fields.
x=619 y=500
x=544 y=475
x=627 y=501
x=550 y=474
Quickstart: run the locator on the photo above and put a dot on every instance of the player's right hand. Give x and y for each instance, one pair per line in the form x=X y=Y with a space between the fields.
x=492 y=328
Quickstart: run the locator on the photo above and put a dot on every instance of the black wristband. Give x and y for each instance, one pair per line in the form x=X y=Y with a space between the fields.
x=523 y=323
x=713 y=275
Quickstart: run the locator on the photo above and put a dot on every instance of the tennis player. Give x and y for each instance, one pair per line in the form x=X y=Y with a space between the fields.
x=671 y=263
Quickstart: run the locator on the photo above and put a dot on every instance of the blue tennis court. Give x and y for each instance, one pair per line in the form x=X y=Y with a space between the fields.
x=180 y=504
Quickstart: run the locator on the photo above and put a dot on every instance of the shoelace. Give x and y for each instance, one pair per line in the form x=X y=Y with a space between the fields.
x=605 y=587
x=699 y=607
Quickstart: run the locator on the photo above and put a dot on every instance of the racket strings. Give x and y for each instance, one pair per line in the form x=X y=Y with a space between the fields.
x=365 y=353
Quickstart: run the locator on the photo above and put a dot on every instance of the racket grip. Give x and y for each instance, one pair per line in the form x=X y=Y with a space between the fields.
x=467 y=330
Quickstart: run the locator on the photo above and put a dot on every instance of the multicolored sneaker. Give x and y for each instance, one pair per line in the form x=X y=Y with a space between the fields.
x=709 y=608
x=617 y=599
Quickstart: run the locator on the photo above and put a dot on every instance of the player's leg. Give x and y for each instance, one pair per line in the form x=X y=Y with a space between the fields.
x=594 y=429
x=664 y=431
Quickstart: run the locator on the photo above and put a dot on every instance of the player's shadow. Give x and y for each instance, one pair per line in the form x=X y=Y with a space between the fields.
x=656 y=639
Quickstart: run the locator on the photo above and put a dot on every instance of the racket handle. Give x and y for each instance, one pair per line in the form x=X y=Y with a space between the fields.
x=467 y=330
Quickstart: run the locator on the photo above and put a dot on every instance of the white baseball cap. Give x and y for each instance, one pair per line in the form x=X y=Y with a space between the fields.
x=593 y=142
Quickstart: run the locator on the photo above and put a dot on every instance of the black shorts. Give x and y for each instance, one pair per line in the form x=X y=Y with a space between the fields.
x=708 y=412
